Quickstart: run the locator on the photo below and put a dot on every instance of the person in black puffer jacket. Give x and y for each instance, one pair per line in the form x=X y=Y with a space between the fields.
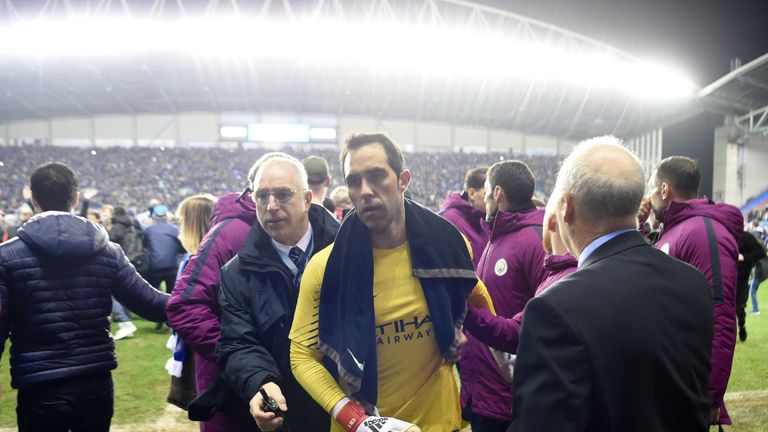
x=128 y=234
x=56 y=283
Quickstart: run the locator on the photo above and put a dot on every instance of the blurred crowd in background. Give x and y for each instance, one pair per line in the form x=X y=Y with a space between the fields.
x=132 y=177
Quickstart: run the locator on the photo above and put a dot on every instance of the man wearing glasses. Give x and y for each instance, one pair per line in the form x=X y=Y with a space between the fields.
x=259 y=289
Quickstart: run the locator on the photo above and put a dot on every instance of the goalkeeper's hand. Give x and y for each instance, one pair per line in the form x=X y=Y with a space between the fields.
x=352 y=417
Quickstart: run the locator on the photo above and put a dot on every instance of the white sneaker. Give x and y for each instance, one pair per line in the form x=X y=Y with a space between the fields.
x=125 y=329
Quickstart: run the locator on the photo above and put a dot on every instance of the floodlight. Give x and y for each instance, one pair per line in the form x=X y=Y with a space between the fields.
x=430 y=49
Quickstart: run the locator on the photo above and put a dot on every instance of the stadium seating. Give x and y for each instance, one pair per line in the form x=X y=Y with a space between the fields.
x=131 y=177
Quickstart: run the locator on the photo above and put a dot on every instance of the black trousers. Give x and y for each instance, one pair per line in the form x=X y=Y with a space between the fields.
x=78 y=404
x=156 y=276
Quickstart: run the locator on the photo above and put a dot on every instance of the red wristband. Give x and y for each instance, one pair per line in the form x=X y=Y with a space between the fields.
x=351 y=415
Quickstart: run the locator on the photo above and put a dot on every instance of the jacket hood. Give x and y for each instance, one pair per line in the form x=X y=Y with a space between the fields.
x=729 y=216
x=59 y=234
x=505 y=223
x=456 y=200
x=558 y=263
x=234 y=205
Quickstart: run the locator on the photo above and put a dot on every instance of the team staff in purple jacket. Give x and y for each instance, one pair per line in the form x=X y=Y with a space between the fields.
x=703 y=234
x=466 y=211
x=512 y=267
x=503 y=334
x=193 y=310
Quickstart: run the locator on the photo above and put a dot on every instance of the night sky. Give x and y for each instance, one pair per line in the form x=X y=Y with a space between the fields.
x=698 y=36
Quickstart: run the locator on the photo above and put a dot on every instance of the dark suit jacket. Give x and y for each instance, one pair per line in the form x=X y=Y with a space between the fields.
x=622 y=344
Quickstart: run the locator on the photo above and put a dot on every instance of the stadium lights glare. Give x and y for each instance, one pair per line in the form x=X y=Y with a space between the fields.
x=385 y=46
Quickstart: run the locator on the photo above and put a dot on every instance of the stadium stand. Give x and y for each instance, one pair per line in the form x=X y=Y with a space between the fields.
x=131 y=177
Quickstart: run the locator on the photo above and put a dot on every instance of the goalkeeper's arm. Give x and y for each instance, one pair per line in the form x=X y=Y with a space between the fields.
x=352 y=417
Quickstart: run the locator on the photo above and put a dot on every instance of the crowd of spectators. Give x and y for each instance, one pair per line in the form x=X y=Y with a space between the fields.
x=758 y=214
x=131 y=177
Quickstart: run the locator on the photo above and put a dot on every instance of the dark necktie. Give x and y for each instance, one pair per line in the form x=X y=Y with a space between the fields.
x=295 y=255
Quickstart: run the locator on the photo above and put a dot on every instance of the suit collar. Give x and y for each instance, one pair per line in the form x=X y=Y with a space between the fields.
x=614 y=246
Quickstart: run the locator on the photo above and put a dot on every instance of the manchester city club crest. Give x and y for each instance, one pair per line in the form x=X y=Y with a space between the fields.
x=501 y=267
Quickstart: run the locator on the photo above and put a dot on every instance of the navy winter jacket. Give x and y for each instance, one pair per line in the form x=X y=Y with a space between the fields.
x=56 y=282
x=164 y=249
x=258 y=300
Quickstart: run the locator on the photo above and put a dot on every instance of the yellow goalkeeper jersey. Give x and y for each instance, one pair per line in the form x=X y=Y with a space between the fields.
x=415 y=383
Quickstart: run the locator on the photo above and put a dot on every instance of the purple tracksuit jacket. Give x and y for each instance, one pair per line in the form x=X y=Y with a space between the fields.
x=193 y=309
x=688 y=226
x=468 y=220
x=504 y=334
x=512 y=268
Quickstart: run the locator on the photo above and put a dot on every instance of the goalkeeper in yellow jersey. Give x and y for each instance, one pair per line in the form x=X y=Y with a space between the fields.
x=383 y=306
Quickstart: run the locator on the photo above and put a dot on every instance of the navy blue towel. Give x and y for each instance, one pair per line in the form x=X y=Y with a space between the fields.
x=441 y=261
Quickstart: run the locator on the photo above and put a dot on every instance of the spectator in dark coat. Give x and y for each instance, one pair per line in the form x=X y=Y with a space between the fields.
x=164 y=249
x=124 y=233
x=56 y=283
x=259 y=289
x=751 y=251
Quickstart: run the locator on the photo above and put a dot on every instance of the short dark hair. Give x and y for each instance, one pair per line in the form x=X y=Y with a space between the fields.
x=515 y=179
x=54 y=186
x=475 y=178
x=357 y=140
x=680 y=172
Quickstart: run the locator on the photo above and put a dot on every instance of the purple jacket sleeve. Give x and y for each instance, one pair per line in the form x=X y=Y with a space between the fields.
x=193 y=309
x=497 y=332
x=696 y=253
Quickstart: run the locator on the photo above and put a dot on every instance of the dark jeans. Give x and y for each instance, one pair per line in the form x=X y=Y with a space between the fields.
x=157 y=276
x=485 y=424
x=78 y=404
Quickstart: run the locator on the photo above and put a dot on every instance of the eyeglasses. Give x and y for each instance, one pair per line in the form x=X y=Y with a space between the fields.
x=282 y=195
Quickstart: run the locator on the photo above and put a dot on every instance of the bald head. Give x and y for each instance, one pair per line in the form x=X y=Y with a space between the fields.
x=605 y=181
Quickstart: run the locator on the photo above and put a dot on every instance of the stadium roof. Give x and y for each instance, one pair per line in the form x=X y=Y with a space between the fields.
x=742 y=93
x=441 y=80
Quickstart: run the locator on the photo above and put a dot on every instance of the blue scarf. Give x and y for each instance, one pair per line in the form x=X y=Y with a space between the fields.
x=441 y=261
